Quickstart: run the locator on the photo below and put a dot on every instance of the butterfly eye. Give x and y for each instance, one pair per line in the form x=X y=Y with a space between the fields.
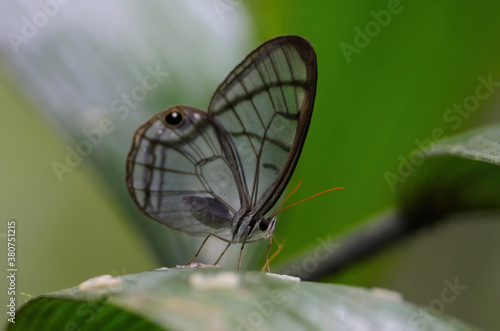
x=174 y=118
x=263 y=225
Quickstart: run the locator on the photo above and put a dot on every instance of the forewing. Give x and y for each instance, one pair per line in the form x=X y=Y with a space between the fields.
x=183 y=177
x=265 y=104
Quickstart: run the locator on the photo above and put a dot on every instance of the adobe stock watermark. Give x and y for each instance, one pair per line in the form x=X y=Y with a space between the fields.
x=436 y=307
x=266 y=307
x=31 y=26
x=121 y=107
x=363 y=37
x=222 y=7
x=453 y=116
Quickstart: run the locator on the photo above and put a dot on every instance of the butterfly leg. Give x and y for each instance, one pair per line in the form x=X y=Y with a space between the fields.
x=269 y=259
x=199 y=250
x=267 y=255
x=243 y=245
x=224 y=251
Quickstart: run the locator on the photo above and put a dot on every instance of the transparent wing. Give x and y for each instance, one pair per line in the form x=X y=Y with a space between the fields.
x=185 y=176
x=265 y=104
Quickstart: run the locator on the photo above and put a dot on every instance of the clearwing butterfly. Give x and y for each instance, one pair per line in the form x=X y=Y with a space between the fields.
x=219 y=172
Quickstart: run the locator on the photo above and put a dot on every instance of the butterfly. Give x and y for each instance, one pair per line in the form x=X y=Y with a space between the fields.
x=219 y=172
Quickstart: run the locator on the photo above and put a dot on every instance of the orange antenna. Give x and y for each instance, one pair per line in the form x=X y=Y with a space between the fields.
x=281 y=204
x=296 y=203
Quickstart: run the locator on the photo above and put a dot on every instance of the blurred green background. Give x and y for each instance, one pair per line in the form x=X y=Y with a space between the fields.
x=371 y=107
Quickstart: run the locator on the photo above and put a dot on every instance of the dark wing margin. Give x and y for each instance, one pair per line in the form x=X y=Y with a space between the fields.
x=265 y=104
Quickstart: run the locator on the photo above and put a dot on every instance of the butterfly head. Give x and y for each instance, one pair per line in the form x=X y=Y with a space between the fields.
x=263 y=229
x=267 y=225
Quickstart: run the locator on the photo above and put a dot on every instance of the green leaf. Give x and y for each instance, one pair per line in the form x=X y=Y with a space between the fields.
x=215 y=299
x=459 y=174
x=481 y=144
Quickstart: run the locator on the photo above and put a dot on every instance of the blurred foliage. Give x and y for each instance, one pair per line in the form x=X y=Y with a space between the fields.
x=459 y=175
x=455 y=176
x=372 y=110
x=376 y=110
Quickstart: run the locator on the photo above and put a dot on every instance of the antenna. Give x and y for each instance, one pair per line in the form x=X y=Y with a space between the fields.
x=281 y=204
x=276 y=212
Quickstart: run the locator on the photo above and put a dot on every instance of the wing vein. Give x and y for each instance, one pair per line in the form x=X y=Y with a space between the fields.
x=250 y=98
x=279 y=80
x=239 y=120
x=293 y=78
